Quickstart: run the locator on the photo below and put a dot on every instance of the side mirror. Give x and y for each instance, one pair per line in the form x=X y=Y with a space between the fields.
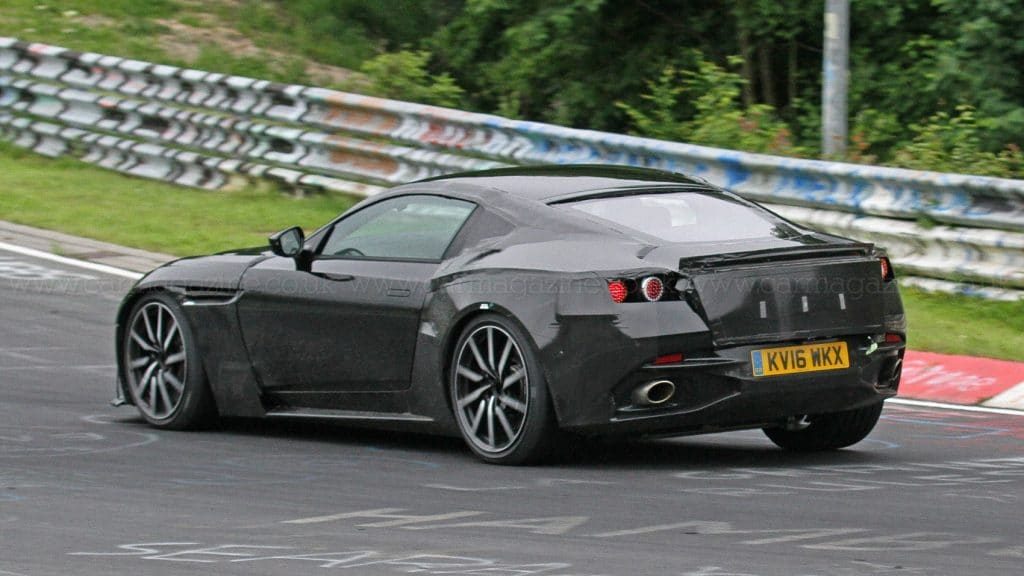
x=287 y=243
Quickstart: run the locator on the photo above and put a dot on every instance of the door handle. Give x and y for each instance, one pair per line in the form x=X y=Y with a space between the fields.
x=334 y=277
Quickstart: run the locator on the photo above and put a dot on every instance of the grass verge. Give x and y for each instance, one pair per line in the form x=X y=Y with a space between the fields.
x=80 y=199
x=964 y=325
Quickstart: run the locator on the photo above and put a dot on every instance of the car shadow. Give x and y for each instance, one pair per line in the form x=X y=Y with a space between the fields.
x=708 y=452
x=704 y=453
x=323 y=431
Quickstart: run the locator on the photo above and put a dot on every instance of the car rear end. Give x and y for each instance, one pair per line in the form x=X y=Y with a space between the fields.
x=761 y=326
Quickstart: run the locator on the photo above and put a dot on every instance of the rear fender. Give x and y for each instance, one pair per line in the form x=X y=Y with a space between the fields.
x=579 y=335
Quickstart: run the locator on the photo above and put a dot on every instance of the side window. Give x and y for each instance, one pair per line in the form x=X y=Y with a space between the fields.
x=408 y=227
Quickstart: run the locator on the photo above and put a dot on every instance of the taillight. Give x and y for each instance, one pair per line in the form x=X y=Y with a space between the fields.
x=652 y=288
x=669 y=358
x=891 y=338
x=887 y=273
x=617 y=290
x=648 y=289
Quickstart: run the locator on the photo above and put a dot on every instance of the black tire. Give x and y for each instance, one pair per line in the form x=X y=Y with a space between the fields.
x=828 y=431
x=536 y=430
x=152 y=376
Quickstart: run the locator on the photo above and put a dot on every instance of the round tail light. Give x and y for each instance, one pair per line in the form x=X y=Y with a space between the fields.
x=887 y=272
x=617 y=290
x=652 y=288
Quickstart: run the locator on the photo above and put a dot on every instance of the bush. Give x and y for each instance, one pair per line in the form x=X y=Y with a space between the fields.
x=718 y=118
x=403 y=75
x=953 y=144
x=873 y=135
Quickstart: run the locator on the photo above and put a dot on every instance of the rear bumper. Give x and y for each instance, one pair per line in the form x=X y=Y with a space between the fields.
x=721 y=393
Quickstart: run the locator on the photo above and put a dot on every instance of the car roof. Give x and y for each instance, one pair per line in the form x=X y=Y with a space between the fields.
x=556 y=182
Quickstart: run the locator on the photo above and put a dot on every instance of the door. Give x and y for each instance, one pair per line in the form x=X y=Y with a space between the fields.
x=350 y=322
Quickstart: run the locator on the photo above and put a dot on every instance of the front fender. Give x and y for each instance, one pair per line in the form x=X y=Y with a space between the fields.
x=207 y=290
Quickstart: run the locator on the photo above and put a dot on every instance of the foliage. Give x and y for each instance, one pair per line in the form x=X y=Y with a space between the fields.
x=955 y=140
x=718 y=118
x=566 y=62
x=917 y=59
x=530 y=40
x=873 y=134
x=340 y=32
x=660 y=119
x=403 y=75
x=910 y=60
x=985 y=52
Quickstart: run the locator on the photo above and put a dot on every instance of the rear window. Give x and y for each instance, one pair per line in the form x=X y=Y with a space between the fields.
x=683 y=216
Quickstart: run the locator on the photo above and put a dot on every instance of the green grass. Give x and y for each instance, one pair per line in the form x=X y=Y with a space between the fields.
x=323 y=36
x=132 y=29
x=120 y=27
x=964 y=325
x=80 y=199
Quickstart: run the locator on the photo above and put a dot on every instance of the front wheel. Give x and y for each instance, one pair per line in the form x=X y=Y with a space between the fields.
x=828 y=431
x=499 y=394
x=161 y=366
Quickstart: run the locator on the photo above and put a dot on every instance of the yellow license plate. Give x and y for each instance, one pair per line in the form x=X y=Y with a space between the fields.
x=803 y=358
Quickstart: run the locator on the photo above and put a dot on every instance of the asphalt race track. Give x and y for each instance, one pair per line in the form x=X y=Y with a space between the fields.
x=89 y=489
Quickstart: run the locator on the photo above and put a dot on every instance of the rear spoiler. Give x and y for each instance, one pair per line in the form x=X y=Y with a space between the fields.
x=778 y=254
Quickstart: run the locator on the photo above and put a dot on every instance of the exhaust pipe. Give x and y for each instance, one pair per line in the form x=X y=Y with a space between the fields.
x=654 y=393
x=890 y=373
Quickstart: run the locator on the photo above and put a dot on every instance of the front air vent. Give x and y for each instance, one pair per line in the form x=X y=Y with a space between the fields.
x=210 y=296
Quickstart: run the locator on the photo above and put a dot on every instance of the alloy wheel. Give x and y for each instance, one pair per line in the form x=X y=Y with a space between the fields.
x=491 y=389
x=157 y=360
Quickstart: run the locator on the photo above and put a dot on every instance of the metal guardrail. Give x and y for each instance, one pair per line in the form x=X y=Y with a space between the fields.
x=968 y=255
x=147 y=160
x=204 y=129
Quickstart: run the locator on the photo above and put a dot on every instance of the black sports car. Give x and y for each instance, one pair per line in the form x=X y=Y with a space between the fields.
x=511 y=305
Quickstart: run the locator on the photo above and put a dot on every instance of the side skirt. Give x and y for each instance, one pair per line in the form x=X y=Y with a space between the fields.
x=346 y=415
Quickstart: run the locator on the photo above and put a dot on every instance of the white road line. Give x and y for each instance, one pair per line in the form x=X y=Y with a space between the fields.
x=391 y=516
x=960 y=407
x=70 y=261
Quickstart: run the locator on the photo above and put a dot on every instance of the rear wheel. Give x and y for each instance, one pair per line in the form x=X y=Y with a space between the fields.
x=499 y=394
x=162 y=368
x=828 y=431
